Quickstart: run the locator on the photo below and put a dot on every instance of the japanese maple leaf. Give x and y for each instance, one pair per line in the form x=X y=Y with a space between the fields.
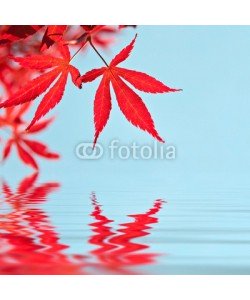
x=59 y=68
x=26 y=147
x=129 y=102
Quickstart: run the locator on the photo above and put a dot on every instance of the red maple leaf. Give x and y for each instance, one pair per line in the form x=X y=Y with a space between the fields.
x=26 y=147
x=129 y=102
x=59 y=68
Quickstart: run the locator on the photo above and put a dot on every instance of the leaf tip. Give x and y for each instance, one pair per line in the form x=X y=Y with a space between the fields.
x=160 y=139
x=95 y=140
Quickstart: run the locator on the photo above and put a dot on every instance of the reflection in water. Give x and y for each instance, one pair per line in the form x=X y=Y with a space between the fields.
x=29 y=244
x=116 y=249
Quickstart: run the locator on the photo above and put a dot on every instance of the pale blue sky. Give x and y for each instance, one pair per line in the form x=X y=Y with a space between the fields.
x=207 y=122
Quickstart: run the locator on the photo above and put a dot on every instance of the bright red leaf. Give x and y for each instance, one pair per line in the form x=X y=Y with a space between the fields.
x=61 y=67
x=102 y=105
x=129 y=102
x=26 y=148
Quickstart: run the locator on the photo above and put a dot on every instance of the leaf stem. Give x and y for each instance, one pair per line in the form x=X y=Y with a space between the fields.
x=84 y=43
x=96 y=51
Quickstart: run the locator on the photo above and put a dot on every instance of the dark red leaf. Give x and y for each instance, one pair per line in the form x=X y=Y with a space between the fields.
x=53 y=34
x=17 y=32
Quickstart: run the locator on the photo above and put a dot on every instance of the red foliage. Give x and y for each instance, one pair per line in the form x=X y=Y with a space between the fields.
x=36 y=58
x=59 y=67
x=26 y=147
x=30 y=244
x=129 y=102
x=53 y=34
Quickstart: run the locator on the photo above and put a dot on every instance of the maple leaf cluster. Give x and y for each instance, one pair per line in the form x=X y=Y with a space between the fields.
x=37 y=60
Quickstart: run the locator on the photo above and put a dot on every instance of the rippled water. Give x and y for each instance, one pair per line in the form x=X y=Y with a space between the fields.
x=48 y=229
x=31 y=244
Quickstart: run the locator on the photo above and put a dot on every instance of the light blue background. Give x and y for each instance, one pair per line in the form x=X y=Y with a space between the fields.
x=207 y=185
x=207 y=122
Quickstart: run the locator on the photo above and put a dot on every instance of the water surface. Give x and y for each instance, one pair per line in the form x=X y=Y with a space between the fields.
x=49 y=229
